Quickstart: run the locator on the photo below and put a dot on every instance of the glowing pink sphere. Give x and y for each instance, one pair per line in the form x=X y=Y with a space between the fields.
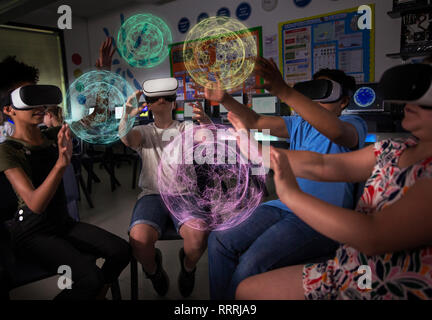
x=205 y=182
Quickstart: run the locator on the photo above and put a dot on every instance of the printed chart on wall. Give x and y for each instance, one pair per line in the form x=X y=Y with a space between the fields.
x=178 y=70
x=332 y=41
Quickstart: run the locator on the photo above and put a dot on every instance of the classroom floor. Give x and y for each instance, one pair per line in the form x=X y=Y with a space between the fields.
x=112 y=212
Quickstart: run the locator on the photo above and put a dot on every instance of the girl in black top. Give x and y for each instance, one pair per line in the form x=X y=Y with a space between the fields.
x=34 y=162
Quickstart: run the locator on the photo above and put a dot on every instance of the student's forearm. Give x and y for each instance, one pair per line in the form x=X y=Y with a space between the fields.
x=340 y=224
x=122 y=126
x=320 y=118
x=249 y=116
x=39 y=199
x=125 y=138
x=306 y=164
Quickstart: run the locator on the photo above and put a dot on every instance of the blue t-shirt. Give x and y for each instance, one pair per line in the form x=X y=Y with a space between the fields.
x=305 y=137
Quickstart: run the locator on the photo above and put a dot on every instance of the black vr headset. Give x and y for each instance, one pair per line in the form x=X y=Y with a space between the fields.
x=33 y=96
x=156 y=88
x=320 y=90
x=408 y=83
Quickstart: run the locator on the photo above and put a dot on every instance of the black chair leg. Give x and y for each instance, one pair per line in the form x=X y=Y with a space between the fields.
x=113 y=179
x=85 y=191
x=134 y=172
x=115 y=290
x=134 y=278
x=91 y=176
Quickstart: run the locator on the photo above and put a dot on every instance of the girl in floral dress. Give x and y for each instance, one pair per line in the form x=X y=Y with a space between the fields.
x=389 y=236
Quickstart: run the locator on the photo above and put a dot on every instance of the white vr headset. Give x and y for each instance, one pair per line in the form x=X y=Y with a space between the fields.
x=33 y=96
x=160 y=87
x=320 y=90
x=408 y=83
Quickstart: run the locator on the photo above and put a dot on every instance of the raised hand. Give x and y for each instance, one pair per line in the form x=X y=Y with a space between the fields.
x=217 y=94
x=106 y=52
x=64 y=141
x=199 y=114
x=249 y=147
x=236 y=121
x=130 y=110
x=273 y=80
x=285 y=181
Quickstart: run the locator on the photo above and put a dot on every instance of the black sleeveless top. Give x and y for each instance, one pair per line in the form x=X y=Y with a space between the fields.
x=37 y=162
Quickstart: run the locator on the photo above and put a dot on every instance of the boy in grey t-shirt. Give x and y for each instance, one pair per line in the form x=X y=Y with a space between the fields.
x=150 y=213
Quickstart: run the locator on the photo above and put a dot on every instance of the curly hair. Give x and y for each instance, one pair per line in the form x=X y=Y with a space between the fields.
x=14 y=72
x=347 y=82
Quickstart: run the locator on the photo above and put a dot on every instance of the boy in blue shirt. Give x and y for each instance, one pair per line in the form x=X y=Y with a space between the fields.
x=273 y=236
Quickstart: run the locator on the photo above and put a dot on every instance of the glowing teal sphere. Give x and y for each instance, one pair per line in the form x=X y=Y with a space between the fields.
x=143 y=40
x=96 y=104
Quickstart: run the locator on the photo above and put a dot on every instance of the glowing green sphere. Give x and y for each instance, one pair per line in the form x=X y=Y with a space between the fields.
x=96 y=105
x=220 y=48
x=143 y=40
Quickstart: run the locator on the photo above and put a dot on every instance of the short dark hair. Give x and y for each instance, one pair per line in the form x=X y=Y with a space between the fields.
x=347 y=82
x=13 y=72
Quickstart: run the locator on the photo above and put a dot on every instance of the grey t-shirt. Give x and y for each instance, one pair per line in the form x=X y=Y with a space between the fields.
x=151 y=150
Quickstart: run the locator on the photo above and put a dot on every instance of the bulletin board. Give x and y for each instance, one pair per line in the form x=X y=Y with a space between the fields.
x=331 y=41
x=185 y=81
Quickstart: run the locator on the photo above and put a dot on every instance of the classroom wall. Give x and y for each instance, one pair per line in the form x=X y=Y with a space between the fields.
x=87 y=34
x=387 y=29
x=76 y=40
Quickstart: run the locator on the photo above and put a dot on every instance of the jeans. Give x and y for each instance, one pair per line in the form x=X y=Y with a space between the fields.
x=270 y=238
x=151 y=210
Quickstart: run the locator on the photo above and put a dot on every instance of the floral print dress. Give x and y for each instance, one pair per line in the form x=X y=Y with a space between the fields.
x=397 y=275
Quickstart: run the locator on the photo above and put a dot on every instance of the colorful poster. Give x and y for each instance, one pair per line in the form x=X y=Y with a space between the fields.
x=270 y=46
x=332 y=41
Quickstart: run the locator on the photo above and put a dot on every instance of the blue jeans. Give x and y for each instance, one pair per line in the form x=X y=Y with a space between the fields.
x=270 y=238
x=151 y=210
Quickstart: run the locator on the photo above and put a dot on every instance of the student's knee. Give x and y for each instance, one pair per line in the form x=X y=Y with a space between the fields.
x=217 y=242
x=142 y=236
x=244 y=289
x=213 y=242
x=195 y=239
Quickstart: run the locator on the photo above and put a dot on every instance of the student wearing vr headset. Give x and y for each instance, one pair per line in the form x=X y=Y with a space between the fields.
x=273 y=236
x=34 y=162
x=389 y=233
x=150 y=214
